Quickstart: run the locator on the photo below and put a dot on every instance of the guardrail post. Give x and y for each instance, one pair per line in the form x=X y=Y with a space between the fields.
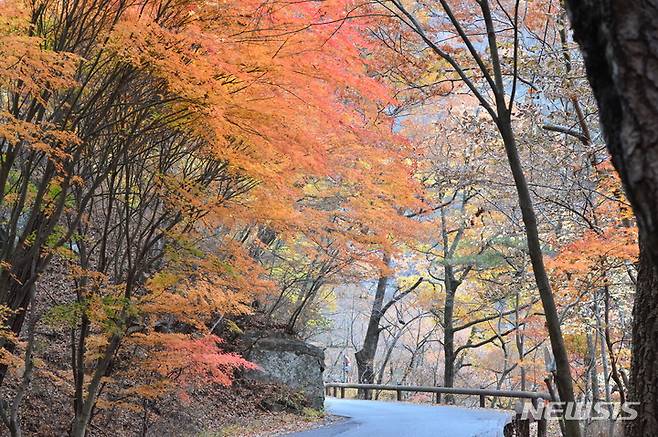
x=524 y=428
x=399 y=393
x=482 y=400
x=541 y=427
x=342 y=392
x=327 y=390
x=335 y=391
x=541 y=421
x=438 y=398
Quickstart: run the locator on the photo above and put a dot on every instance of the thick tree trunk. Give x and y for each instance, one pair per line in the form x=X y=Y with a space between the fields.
x=644 y=363
x=620 y=42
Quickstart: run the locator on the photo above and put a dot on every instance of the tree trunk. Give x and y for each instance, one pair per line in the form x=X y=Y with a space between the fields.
x=644 y=366
x=593 y=371
x=449 y=332
x=365 y=357
x=519 y=338
x=82 y=418
x=619 y=40
x=604 y=352
x=450 y=284
x=563 y=370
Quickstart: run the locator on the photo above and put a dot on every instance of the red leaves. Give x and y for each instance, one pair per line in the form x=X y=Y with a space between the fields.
x=180 y=362
x=199 y=359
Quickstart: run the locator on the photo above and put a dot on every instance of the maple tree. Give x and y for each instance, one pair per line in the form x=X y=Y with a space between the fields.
x=140 y=138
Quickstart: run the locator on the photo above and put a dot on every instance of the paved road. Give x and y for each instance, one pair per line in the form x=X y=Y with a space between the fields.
x=397 y=419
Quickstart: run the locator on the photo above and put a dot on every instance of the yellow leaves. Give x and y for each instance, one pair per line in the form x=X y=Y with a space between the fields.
x=163 y=281
x=427 y=296
x=149 y=391
x=95 y=346
x=576 y=343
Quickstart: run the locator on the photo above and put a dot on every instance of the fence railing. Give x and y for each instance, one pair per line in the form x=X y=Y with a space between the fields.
x=519 y=427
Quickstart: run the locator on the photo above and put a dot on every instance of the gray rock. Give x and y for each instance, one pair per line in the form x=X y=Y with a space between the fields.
x=288 y=361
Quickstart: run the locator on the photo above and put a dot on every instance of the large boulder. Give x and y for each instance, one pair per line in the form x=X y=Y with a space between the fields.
x=289 y=361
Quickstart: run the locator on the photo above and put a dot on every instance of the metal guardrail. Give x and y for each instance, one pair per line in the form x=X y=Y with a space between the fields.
x=482 y=392
x=518 y=427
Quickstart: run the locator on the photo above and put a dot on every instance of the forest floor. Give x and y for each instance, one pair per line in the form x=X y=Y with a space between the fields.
x=212 y=411
x=280 y=424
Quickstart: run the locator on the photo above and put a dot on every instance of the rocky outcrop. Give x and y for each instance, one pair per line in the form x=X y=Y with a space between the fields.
x=289 y=361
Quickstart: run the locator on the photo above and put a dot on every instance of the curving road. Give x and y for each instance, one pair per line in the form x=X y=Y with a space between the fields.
x=397 y=419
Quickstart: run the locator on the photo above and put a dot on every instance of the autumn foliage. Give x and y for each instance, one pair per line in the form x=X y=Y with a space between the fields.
x=144 y=141
x=169 y=167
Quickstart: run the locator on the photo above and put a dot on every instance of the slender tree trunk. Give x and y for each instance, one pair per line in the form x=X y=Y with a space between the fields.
x=608 y=345
x=619 y=40
x=519 y=338
x=365 y=357
x=450 y=284
x=82 y=418
x=449 y=332
x=593 y=371
x=563 y=370
x=604 y=352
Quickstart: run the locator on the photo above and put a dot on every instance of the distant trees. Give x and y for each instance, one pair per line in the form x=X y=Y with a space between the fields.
x=517 y=62
x=499 y=77
x=365 y=357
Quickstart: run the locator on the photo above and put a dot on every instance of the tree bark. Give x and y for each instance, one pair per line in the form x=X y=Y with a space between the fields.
x=644 y=366
x=593 y=371
x=619 y=40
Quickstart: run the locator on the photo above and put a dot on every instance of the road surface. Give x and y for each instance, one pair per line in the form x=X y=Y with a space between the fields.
x=398 y=419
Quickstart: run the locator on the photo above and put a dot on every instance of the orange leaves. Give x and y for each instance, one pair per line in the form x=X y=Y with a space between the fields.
x=588 y=261
x=25 y=65
x=615 y=243
x=278 y=92
x=182 y=125
x=42 y=137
